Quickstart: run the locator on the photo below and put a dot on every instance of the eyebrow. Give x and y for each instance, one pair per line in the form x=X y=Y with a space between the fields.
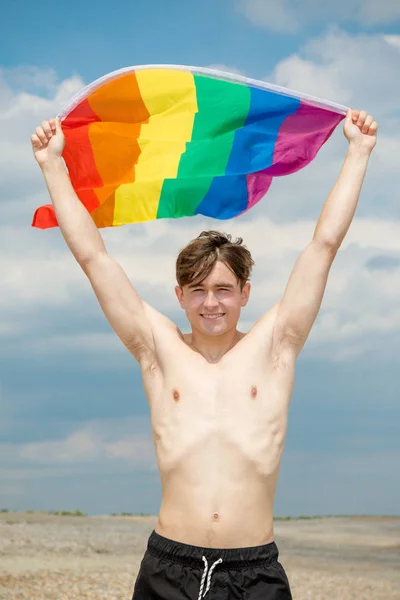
x=199 y=285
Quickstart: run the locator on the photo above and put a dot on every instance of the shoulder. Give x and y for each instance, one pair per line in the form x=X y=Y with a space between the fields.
x=165 y=334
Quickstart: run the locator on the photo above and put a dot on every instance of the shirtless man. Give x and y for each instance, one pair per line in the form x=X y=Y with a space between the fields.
x=218 y=398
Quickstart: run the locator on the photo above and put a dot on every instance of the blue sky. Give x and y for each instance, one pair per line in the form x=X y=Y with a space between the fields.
x=74 y=421
x=90 y=39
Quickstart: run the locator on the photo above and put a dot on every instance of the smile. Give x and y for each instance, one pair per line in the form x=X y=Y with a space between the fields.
x=218 y=316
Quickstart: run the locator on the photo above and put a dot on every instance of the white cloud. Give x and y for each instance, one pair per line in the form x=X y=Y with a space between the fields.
x=80 y=445
x=96 y=442
x=289 y=16
x=21 y=111
x=394 y=40
x=352 y=70
x=30 y=78
x=357 y=301
x=361 y=72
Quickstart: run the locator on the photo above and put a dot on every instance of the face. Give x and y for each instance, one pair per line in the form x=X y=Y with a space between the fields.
x=213 y=307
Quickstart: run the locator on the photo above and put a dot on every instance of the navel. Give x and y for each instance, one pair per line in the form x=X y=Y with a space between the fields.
x=175 y=395
x=253 y=391
x=215 y=516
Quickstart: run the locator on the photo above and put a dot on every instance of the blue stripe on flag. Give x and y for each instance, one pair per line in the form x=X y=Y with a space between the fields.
x=252 y=151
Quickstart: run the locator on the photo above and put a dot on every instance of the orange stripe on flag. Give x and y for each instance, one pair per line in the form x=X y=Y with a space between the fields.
x=114 y=139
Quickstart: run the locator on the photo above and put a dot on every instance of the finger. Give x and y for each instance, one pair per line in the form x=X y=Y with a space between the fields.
x=349 y=114
x=367 y=124
x=35 y=141
x=373 y=128
x=356 y=114
x=47 y=129
x=58 y=125
x=361 y=118
x=52 y=123
x=41 y=135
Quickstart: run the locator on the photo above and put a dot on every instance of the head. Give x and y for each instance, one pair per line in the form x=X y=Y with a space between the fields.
x=213 y=275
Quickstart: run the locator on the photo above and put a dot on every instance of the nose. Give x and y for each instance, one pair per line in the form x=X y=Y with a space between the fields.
x=210 y=300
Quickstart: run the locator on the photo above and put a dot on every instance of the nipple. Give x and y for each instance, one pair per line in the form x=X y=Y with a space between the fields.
x=175 y=395
x=253 y=391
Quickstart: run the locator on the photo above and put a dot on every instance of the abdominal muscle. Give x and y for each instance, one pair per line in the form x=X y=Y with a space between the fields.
x=216 y=498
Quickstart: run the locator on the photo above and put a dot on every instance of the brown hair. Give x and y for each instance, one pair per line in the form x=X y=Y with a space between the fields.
x=196 y=261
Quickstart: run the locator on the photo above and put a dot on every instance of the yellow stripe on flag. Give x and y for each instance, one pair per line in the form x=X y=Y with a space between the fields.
x=170 y=98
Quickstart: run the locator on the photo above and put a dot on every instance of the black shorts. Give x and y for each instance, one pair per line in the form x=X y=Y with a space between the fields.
x=173 y=571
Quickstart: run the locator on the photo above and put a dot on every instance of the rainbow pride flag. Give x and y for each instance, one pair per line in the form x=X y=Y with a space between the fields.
x=168 y=141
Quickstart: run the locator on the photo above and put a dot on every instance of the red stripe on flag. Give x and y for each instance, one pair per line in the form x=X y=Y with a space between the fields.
x=78 y=152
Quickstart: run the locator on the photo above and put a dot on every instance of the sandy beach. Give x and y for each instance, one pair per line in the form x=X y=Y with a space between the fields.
x=97 y=558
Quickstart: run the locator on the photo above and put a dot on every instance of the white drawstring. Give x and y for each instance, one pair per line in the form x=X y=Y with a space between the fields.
x=209 y=576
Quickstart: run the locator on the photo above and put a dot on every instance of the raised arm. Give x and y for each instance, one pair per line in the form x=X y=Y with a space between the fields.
x=303 y=295
x=125 y=311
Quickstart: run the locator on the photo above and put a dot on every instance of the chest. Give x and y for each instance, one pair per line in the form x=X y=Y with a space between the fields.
x=241 y=404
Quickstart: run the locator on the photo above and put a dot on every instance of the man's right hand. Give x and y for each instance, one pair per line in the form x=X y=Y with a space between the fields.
x=48 y=142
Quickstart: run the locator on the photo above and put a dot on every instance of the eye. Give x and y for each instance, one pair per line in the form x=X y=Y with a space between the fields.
x=219 y=289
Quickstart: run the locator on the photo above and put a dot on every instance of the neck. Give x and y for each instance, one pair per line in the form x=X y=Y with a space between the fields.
x=213 y=348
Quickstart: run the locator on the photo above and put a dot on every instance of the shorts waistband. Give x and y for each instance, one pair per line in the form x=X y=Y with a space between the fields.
x=232 y=558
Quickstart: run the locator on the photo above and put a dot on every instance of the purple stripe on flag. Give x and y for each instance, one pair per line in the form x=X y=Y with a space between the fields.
x=299 y=140
x=301 y=137
x=258 y=185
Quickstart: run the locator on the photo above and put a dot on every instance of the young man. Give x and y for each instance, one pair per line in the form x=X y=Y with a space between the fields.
x=218 y=398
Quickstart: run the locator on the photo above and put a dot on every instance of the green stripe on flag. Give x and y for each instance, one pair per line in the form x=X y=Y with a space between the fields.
x=222 y=109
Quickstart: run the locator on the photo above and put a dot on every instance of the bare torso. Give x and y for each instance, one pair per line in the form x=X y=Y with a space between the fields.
x=219 y=432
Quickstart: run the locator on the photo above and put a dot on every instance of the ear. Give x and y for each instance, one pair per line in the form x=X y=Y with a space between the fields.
x=179 y=295
x=245 y=294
